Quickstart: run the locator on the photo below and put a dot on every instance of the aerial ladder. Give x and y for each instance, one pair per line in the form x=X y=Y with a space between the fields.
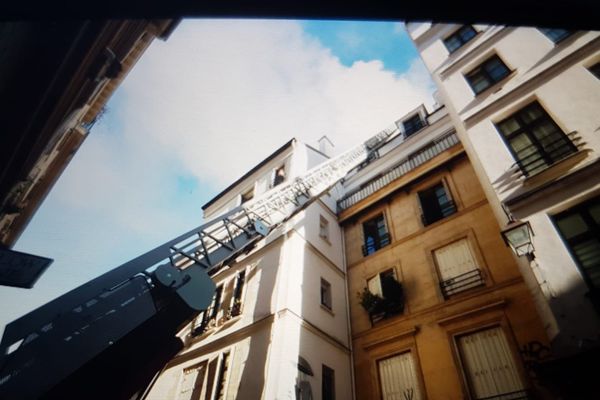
x=109 y=337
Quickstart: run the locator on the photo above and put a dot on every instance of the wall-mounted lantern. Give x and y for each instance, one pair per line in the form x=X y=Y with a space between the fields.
x=517 y=235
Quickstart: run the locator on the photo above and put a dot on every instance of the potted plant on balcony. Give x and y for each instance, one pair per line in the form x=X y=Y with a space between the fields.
x=372 y=303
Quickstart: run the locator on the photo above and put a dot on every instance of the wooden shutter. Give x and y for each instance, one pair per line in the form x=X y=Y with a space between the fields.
x=374 y=285
x=398 y=378
x=455 y=259
x=489 y=364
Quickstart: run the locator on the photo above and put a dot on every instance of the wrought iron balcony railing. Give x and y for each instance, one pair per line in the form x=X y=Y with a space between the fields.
x=542 y=157
x=462 y=282
x=445 y=210
x=373 y=244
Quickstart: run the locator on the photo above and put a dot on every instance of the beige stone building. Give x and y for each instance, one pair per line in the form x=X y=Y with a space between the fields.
x=439 y=309
x=525 y=105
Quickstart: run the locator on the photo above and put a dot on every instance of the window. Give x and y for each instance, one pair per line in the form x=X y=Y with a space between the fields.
x=279 y=176
x=303 y=388
x=235 y=307
x=457 y=268
x=192 y=382
x=390 y=295
x=326 y=294
x=247 y=195
x=491 y=71
x=220 y=389
x=435 y=204
x=328 y=383
x=398 y=378
x=580 y=229
x=534 y=139
x=459 y=38
x=595 y=69
x=556 y=35
x=489 y=365
x=323 y=228
x=375 y=235
x=413 y=125
x=216 y=302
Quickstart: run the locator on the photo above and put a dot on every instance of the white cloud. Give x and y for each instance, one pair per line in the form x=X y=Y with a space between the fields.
x=221 y=95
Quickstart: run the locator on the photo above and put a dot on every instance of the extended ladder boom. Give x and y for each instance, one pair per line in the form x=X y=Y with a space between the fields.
x=49 y=344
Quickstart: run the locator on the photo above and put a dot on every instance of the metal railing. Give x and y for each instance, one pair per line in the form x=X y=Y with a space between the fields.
x=377 y=243
x=462 y=282
x=414 y=160
x=552 y=152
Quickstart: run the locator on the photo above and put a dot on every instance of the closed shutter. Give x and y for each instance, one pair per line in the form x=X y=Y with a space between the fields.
x=489 y=365
x=262 y=185
x=398 y=378
x=455 y=259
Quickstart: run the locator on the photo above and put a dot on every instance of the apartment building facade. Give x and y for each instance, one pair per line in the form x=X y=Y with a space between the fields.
x=278 y=324
x=438 y=306
x=525 y=104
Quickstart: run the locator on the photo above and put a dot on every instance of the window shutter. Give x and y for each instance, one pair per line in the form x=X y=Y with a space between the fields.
x=455 y=259
x=374 y=285
x=489 y=364
x=262 y=185
x=398 y=378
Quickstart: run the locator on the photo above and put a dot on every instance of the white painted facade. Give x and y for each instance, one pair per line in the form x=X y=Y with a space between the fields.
x=282 y=316
x=558 y=76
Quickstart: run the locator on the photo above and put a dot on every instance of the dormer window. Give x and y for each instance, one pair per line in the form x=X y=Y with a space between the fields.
x=248 y=195
x=413 y=125
x=279 y=176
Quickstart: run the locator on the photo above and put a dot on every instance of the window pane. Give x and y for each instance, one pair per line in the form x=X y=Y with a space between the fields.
x=556 y=35
x=594 y=211
x=452 y=43
x=588 y=255
x=572 y=225
x=467 y=33
x=479 y=82
x=531 y=113
x=509 y=126
x=496 y=69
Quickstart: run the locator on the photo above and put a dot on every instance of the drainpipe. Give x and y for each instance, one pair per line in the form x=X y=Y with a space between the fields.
x=348 y=316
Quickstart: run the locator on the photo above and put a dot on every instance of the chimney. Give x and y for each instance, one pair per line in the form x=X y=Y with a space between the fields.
x=325 y=146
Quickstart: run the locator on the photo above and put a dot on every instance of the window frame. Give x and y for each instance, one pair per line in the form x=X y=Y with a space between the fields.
x=414 y=127
x=457 y=35
x=501 y=325
x=453 y=207
x=323 y=228
x=381 y=241
x=490 y=80
x=580 y=208
x=325 y=284
x=470 y=279
x=526 y=128
x=324 y=395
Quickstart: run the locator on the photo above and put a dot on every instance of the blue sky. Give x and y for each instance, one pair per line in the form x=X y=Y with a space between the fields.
x=194 y=114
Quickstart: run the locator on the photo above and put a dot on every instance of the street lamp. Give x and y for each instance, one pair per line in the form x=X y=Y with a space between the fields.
x=517 y=235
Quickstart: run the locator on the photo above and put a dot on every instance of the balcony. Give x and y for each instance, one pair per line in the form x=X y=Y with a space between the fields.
x=538 y=159
x=382 y=307
x=414 y=160
x=461 y=283
x=373 y=244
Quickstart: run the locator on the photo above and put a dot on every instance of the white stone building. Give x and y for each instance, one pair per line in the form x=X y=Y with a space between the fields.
x=526 y=104
x=278 y=325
